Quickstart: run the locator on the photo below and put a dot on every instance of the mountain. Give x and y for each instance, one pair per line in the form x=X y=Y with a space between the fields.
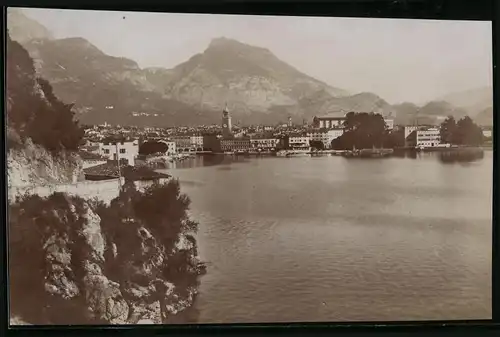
x=23 y=29
x=106 y=88
x=485 y=117
x=256 y=85
x=432 y=113
x=473 y=100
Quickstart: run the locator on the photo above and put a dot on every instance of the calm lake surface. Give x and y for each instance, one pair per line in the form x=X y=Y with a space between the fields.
x=333 y=239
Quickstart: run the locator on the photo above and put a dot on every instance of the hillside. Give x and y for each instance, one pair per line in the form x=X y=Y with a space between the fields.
x=23 y=29
x=485 y=117
x=256 y=85
x=77 y=261
x=473 y=100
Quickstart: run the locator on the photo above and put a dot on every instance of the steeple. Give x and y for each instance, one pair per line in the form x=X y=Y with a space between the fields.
x=226 y=122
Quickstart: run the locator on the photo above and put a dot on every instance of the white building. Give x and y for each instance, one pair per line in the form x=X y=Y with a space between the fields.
x=487 y=133
x=424 y=138
x=172 y=149
x=325 y=136
x=298 y=142
x=389 y=122
x=334 y=134
x=328 y=122
x=264 y=143
x=197 y=141
x=126 y=151
x=319 y=136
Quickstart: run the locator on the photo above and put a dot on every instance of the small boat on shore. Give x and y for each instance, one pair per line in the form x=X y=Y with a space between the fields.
x=368 y=153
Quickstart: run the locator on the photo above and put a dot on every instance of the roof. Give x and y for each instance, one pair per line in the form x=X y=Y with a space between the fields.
x=332 y=115
x=85 y=155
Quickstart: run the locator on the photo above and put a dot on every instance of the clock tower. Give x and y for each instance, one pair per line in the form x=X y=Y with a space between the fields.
x=226 y=123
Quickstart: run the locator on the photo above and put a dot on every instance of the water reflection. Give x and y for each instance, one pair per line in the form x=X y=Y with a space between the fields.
x=330 y=239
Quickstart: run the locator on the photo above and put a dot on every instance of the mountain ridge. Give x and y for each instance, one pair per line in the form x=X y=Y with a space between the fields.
x=256 y=85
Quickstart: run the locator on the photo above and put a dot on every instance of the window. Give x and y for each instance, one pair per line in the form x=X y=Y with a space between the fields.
x=106 y=151
x=122 y=150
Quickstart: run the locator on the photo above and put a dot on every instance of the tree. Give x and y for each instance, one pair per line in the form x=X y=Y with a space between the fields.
x=317 y=144
x=448 y=130
x=468 y=133
x=34 y=111
x=161 y=210
x=395 y=138
x=362 y=130
x=152 y=147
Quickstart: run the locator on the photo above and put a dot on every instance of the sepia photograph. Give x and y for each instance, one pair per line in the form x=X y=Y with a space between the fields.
x=168 y=168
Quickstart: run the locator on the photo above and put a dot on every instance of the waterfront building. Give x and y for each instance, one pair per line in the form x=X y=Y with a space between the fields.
x=197 y=142
x=264 y=144
x=424 y=137
x=126 y=151
x=235 y=144
x=183 y=143
x=334 y=134
x=319 y=136
x=172 y=148
x=326 y=136
x=487 y=133
x=408 y=131
x=297 y=142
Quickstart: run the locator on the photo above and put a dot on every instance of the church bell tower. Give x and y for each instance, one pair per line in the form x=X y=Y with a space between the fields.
x=226 y=122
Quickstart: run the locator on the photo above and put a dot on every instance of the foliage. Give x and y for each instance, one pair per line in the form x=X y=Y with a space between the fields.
x=362 y=131
x=34 y=111
x=317 y=144
x=162 y=210
x=32 y=222
x=152 y=147
x=395 y=139
x=448 y=130
x=463 y=132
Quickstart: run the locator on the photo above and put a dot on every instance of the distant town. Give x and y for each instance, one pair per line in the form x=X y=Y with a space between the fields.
x=110 y=143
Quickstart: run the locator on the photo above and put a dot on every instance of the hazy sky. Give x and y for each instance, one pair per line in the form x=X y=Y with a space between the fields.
x=400 y=60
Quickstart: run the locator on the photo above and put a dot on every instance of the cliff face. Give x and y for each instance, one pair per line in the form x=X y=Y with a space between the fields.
x=33 y=165
x=68 y=265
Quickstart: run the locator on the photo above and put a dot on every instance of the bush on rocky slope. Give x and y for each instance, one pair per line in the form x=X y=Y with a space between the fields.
x=33 y=111
x=77 y=262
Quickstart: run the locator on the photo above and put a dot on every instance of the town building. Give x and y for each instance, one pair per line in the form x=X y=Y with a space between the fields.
x=487 y=133
x=325 y=136
x=235 y=144
x=172 y=148
x=264 y=144
x=334 y=134
x=408 y=131
x=125 y=151
x=389 y=122
x=328 y=121
x=182 y=143
x=197 y=142
x=424 y=138
x=226 y=123
x=319 y=136
x=297 y=142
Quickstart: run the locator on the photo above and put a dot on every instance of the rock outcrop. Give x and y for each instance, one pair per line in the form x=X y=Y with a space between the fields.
x=86 y=270
x=32 y=165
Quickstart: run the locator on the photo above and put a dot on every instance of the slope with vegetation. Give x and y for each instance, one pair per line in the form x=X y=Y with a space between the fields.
x=75 y=261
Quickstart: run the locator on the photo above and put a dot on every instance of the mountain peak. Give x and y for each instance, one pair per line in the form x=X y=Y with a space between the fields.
x=228 y=44
x=23 y=29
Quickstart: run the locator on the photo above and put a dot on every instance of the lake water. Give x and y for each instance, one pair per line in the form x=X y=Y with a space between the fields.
x=331 y=239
